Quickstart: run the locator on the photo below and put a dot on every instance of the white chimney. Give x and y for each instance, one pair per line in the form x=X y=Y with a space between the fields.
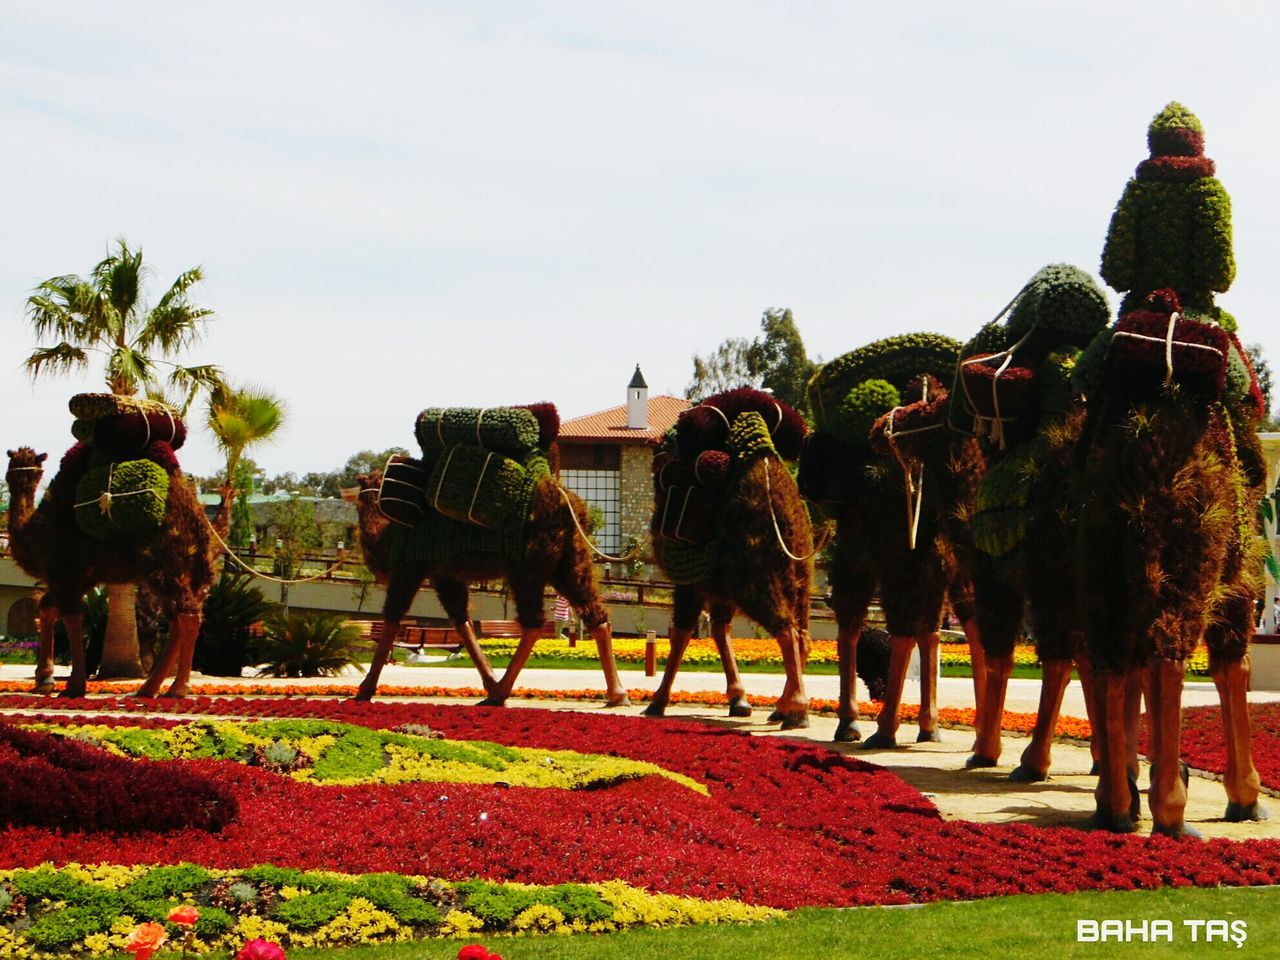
x=637 y=402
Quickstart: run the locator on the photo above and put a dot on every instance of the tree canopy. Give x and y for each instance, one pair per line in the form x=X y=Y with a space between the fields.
x=776 y=360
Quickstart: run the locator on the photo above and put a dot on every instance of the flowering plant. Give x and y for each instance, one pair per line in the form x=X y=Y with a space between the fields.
x=475 y=951
x=145 y=940
x=260 y=949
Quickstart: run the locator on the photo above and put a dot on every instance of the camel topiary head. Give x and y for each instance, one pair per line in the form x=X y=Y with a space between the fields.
x=24 y=462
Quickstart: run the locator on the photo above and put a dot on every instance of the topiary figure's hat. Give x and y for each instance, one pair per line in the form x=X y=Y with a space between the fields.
x=1175 y=132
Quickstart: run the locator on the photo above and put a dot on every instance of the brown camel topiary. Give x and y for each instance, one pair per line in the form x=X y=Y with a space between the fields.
x=1014 y=391
x=553 y=553
x=912 y=548
x=175 y=563
x=756 y=552
x=897 y=481
x=1171 y=490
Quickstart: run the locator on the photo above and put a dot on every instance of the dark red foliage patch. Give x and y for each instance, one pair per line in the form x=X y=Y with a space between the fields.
x=548 y=418
x=706 y=426
x=786 y=823
x=54 y=784
x=1175 y=169
x=126 y=436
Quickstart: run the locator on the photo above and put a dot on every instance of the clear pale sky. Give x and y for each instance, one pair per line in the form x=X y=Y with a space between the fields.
x=401 y=205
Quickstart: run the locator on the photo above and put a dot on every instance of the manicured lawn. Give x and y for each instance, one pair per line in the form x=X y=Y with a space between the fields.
x=1010 y=928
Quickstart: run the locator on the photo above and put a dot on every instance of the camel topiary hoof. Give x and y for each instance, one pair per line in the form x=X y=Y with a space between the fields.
x=73 y=693
x=1095 y=769
x=622 y=701
x=46 y=687
x=738 y=707
x=1135 y=798
x=977 y=761
x=175 y=693
x=655 y=709
x=774 y=717
x=1177 y=831
x=1025 y=774
x=847 y=732
x=881 y=741
x=931 y=736
x=795 y=721
x=1239 y=812
x=493 y=700
x=1113 y=823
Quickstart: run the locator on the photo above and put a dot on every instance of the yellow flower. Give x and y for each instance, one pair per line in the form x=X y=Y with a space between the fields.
x=460 y=923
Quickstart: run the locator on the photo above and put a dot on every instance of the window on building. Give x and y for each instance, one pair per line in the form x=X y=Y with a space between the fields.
x=600 y=489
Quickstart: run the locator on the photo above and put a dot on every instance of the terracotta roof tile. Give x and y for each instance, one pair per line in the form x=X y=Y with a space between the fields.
x=611 y=425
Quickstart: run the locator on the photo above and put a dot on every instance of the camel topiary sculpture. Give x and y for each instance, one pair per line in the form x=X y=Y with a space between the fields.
x=732 y=533
x=1172 y=478
x=175 y=562
x=886 y=467
x=1013 y=390
x=543 y=545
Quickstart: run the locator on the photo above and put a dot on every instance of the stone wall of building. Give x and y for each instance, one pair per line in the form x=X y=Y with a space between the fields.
x=635 y=492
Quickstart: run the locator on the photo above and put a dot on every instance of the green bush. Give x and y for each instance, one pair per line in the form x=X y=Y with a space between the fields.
x=233 y=606
x=306 y=645
x=861 y=408
x=496 y=905
x=164 y=882
x=312 y=910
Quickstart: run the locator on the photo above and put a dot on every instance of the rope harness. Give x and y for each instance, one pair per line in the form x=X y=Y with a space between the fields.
x=914 y=475
x=587 y=540
x=777 y=529
x=993 y=425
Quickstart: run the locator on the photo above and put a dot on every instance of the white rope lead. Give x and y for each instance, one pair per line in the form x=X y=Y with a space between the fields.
x=777 y=529
x=586 y=539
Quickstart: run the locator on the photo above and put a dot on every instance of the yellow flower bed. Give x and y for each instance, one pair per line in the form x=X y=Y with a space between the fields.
x=362 y=922
x=405 y=758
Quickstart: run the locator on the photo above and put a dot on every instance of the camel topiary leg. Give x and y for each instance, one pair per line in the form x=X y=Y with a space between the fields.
x=988 y=743
x=188 y=629
x=528 y=637
x=847 y=646
x=615 y=692
x=886 y=735
x=1168 y=793
x=1033 y=766
x=76 y=682
x=978 y=665
x=46 y=623
x=1116 y=789
x=735 y=690
x=930 y=668
x=662 y=696
x=171 y=657
x=467 y=633
x=793 y=706
x=369 y=685
x=1090 y=689
x=455 y=596
x=1241 y=777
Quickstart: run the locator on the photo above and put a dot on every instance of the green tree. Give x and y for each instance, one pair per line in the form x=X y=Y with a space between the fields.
x=107 y=314
x=1262 y=370
x=239 y=418
x=779 y=358
x=776 y=361
x=729 y=366
x=293 y=523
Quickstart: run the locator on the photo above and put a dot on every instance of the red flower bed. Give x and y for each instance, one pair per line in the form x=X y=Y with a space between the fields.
x=786 y=824
x=50 y=782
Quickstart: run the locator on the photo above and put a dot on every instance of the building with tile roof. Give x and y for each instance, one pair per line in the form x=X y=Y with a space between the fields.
x=607 y=459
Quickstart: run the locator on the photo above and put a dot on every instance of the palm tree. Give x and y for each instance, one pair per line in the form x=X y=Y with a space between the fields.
x=239 y=418
x=106 y=313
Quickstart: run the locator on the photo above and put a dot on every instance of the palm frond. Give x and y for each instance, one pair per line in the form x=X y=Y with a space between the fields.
x=65 y=307
x=191 y=380
x=119 y=278
x=177 y=291
x=171 y=327
x=60 y=358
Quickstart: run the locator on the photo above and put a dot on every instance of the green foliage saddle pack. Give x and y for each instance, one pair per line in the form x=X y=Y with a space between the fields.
x=849 y=394
x=1013 y=390
x=123 y=464
x=471 y=491
x=692 y=492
